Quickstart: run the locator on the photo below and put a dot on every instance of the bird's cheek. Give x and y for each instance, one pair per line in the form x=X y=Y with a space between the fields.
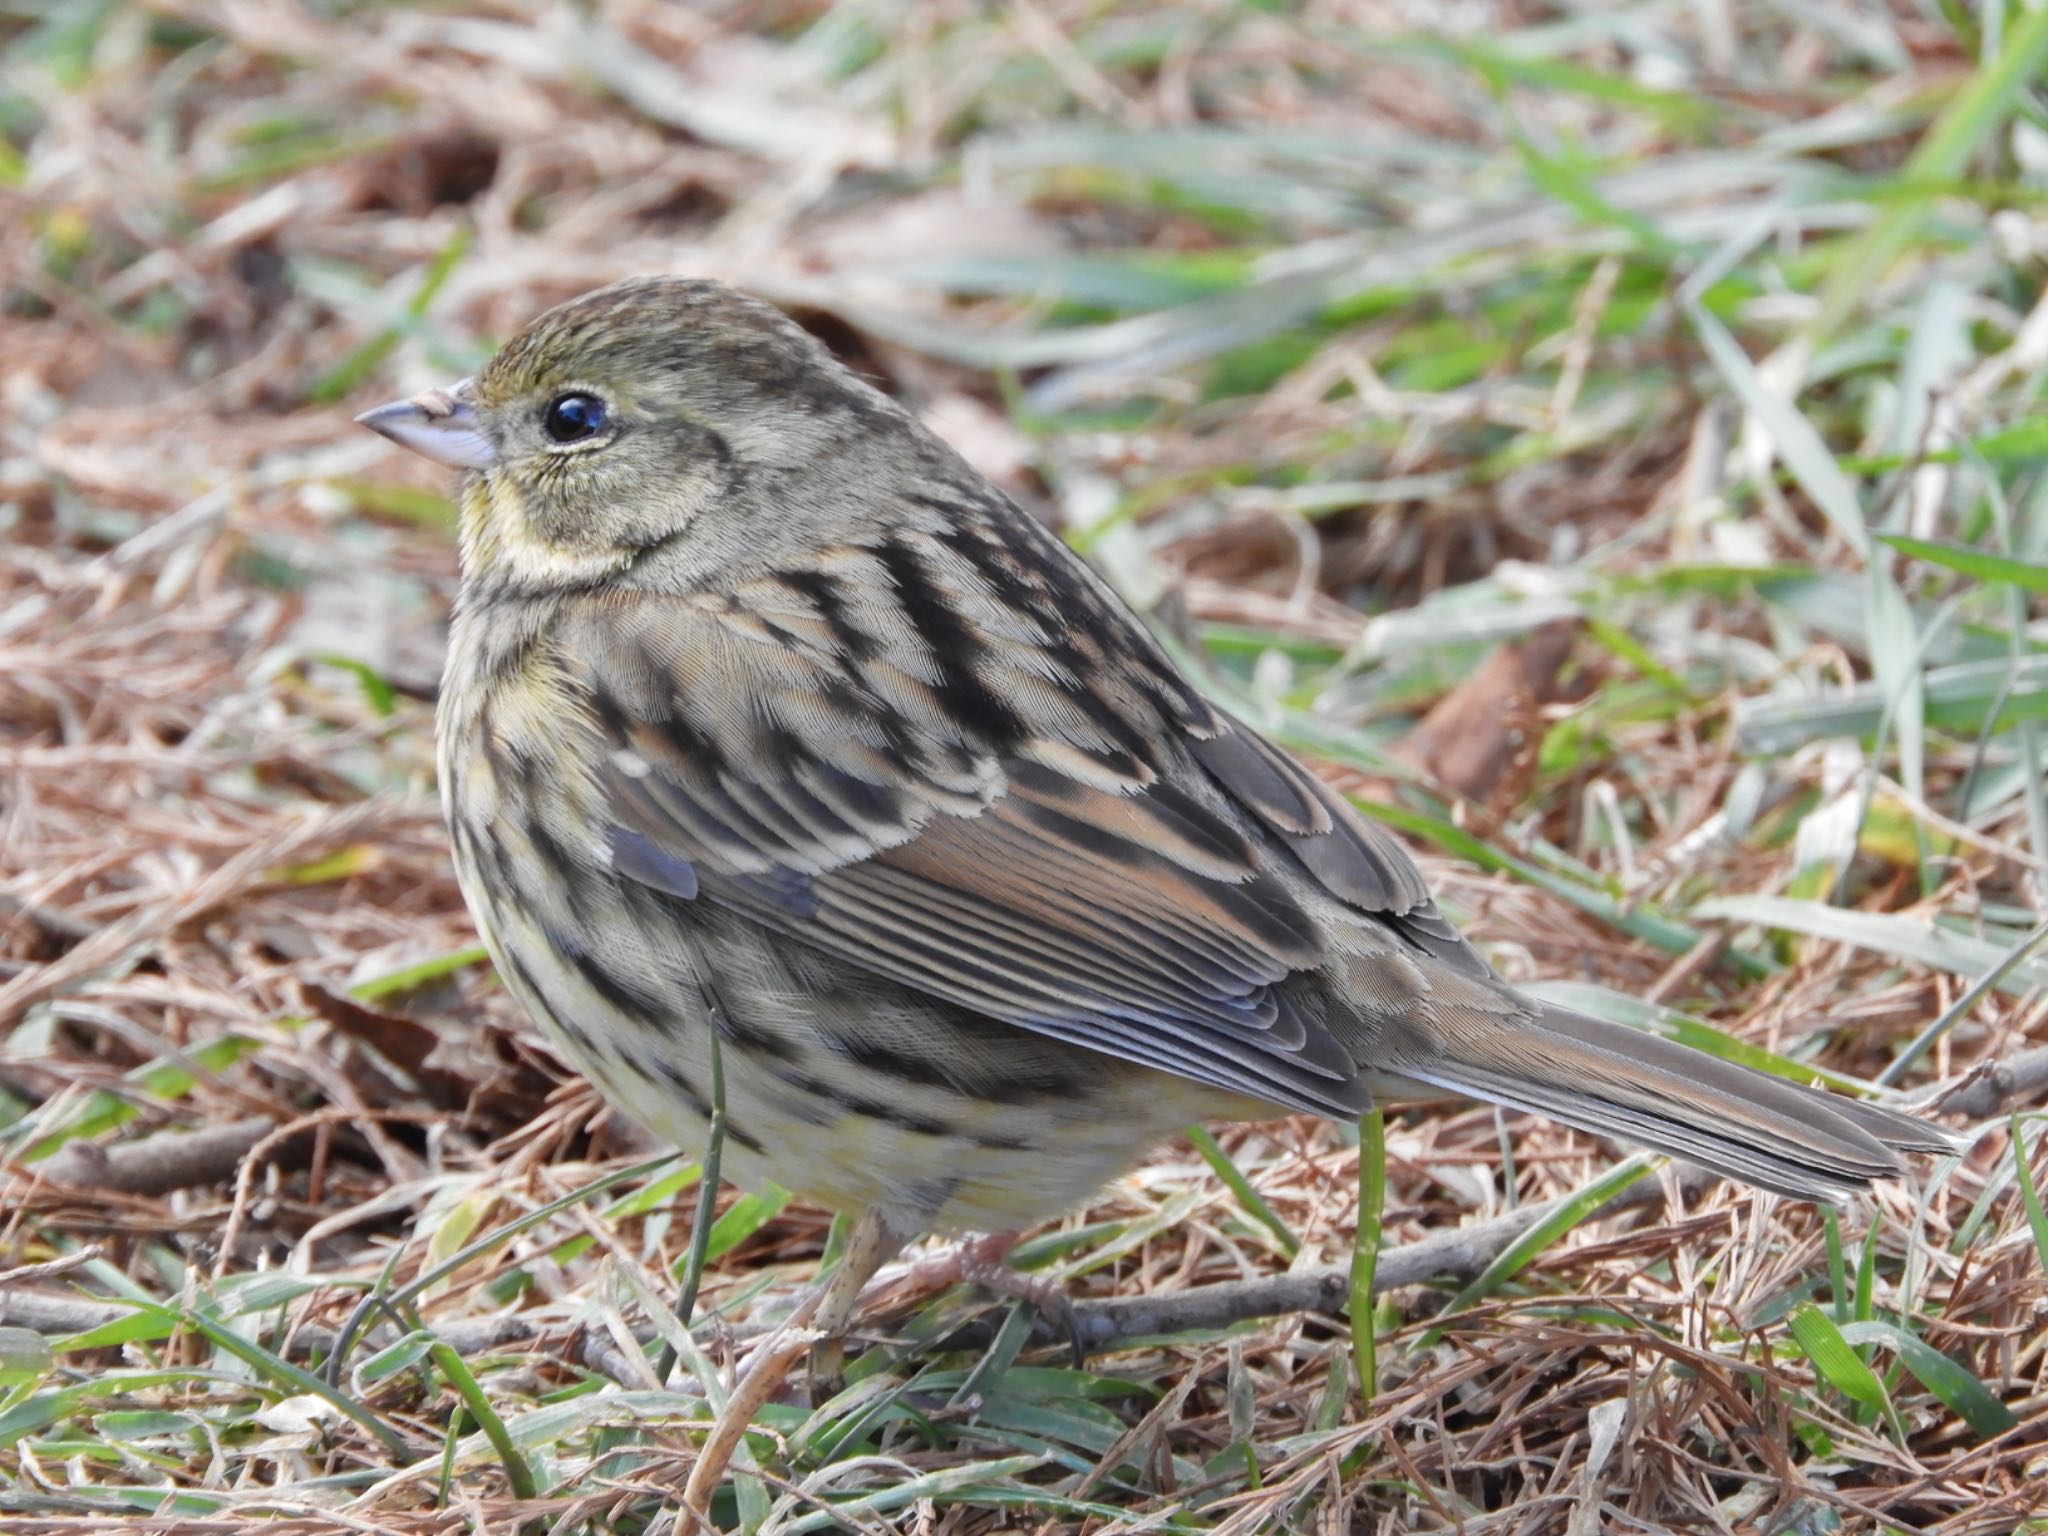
x=482 y=544
x=508 y=525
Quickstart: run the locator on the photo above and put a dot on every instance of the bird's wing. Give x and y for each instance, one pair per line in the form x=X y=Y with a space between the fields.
x=1349 y=857
x=888 y=759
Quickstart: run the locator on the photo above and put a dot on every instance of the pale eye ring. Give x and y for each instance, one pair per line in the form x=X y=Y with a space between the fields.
x=573 y=417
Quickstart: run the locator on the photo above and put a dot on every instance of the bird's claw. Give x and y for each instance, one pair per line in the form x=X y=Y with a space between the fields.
x=982 y=1261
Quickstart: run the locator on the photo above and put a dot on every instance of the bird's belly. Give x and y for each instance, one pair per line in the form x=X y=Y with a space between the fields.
x=962 y=1124
x=975 y=1171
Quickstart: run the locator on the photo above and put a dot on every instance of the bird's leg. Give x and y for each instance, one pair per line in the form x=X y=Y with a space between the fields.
x=828 y=1309
x=873 y=1242
x=981 y=1261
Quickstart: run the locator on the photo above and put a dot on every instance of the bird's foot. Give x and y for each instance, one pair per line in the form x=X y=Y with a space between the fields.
x=982 y=1261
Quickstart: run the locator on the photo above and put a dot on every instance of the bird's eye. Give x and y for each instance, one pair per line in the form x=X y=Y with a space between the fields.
x=572 y=418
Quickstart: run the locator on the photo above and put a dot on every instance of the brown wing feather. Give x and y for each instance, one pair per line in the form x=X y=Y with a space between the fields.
x=952 y=757
x=1350 y=857
x=1069 y=922
x=1052 y=883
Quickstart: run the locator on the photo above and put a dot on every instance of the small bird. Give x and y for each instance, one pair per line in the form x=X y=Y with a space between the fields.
x=768 y=718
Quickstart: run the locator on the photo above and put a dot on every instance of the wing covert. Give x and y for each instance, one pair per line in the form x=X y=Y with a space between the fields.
x=952 y=759
x=1052 y=887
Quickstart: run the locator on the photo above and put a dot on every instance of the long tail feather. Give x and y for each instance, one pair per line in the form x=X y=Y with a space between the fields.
x=1620 y=1082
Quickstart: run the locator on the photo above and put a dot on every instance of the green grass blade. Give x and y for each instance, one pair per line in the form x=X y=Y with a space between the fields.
x=1365 y=1249
x=290 y=1377
x=1969 y=121
x=2030 y=1193
x=1838 y=1267
x=1953 y=1383
x=1978 y=564
x=1233 y=1178
x=518 y=1474
x=1836 y=1362
x=1569 y=1212
x=496 y=1238
x=707 y=1204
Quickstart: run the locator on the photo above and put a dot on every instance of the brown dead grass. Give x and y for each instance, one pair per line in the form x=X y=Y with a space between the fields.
x=211 y=840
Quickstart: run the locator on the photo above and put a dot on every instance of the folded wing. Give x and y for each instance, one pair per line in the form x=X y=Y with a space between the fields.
x=1115 y=873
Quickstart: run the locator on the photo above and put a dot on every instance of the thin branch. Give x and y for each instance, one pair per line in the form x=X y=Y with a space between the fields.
x=166 y=1161
x=1452 y=1255
x=1987 y=1090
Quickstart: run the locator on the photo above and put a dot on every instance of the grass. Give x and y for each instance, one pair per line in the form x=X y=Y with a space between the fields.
x=1359 y=343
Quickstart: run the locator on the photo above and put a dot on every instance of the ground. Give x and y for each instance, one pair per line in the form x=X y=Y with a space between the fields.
x=1607 y=441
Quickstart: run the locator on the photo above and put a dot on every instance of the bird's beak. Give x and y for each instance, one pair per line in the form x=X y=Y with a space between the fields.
x=439 y=423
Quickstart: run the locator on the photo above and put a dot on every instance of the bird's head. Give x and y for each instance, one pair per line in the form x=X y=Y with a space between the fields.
x=653 y=414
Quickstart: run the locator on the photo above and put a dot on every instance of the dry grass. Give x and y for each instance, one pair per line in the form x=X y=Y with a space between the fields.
x=1372 y=335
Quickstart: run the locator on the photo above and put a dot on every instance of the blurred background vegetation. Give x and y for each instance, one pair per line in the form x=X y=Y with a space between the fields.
x=1608 y=437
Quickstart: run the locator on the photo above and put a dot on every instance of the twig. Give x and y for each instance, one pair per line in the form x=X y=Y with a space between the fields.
x=1452 y=1255
x=297 y=1135
x=168 y=1160
x=52 y=1268
x=1989 y=1088
x=337 y=1359
x=1455 y=1255
x=764 y=1375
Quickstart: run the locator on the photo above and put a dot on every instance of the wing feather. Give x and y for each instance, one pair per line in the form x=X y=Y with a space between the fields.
x=1126 y=870
x=1350 y=857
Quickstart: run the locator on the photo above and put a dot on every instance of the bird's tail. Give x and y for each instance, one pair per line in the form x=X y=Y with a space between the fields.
x=1640 y=1088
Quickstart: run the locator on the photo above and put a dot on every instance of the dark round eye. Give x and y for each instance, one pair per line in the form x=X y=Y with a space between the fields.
x=572 y=418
